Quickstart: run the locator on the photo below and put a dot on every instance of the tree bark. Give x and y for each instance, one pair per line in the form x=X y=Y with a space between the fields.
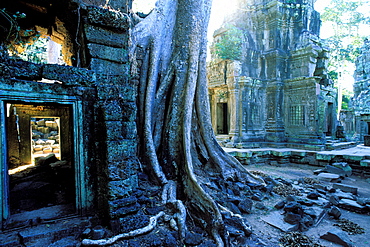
x=178 y=145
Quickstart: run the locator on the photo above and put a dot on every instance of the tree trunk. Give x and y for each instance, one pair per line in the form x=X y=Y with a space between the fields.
x=178 y=145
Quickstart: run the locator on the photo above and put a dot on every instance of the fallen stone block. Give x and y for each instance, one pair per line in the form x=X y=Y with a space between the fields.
x=351 y=205
x=246 y=205
x=313 y=195
x=345 y=188
x=292 y=218
x=347 y=169
x=329 y=177
x=314 y=212
x=340 y=194
x=275 y=219
x=337 y=236
x=335 y=212
x=335 y=170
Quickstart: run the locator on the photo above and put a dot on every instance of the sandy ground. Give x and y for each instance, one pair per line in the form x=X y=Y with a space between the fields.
x=271 y=235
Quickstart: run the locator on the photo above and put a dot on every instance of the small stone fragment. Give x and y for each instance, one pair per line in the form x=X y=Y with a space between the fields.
x=335 y=212
x=337 y=236
x=245 y=206
x=313 y=195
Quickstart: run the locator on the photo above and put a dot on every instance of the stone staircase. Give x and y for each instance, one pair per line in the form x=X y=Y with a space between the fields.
x=332 y=144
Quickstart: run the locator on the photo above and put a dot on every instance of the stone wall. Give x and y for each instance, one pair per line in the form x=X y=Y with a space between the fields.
x=278 y=91
x=102 y=97
x=356 y=120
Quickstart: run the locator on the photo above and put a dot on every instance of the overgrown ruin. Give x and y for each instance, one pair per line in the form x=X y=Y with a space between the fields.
x=73 y=163
x=91 y=105
x=356 y=120
x=278 y=90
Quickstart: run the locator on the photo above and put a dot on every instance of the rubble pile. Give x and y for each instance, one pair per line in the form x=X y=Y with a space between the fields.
x=307 y=201
x=349 y=226
x=286 y=190
x=297 y=239
x=45 y=136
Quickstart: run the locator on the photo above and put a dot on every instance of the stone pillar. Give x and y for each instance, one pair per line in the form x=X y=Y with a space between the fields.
x=234 y=102
x=116 y=109
x=212 y=105
x=275 y=131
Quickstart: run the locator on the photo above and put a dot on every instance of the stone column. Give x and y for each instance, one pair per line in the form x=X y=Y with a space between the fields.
x=234 y=111
x=275 y=131
x=212 y=105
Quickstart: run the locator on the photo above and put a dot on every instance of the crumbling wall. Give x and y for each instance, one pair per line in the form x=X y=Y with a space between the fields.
x=100 y=91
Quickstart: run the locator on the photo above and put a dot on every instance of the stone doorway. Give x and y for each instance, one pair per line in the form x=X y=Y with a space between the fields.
x=329 y=120
x=40 y=168
x=222 y=119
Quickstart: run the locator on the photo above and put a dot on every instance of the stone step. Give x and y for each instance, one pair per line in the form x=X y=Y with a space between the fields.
x=45 y=234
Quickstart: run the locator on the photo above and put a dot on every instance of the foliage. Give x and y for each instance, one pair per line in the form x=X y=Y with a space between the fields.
x=11 y=34
x=346 y=98
x=9 y=28
x=229 y=45
x=35 y=52
x=346 y=18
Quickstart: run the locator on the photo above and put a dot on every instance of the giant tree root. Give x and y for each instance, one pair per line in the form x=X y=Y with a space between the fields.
x=103 y=242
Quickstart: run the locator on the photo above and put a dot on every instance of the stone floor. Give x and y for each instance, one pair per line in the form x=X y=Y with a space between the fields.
x=358 y=157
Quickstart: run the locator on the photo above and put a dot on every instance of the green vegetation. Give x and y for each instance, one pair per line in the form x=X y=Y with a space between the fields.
x=346 y=98
x=21 y=43
x=346 y=19
x=229 y=45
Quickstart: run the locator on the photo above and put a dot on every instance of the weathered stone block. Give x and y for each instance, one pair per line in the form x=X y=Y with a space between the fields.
x=119 y=150
x=276 y=219
x=122 y=188
x=367 y=140
x=123 y=169
x=106 y=17
x=69 y=75
x=25 y=70
x=129 y=130
x=122 y=202
x=112 y=110
x=129 y=111
x=109 y=68
x=337 y=236
x=345 y=188
x=365 y=163
x=114 y=130
x=123 y=92
x=118 y=55
x=121 y=212
x=106 y=37
x=328 y=176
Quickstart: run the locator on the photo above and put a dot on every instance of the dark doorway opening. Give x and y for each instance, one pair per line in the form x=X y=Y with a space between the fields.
x=329 y=120
x=222 y=119
x=41 y=176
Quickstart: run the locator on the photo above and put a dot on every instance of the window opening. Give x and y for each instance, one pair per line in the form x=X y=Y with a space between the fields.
x=297 y=115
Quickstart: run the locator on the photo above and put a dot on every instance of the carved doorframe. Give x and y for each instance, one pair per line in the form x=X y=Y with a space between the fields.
x=81 y=187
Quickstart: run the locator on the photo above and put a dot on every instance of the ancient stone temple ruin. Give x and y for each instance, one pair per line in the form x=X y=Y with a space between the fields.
x=278 y=90
x=356 y=120
x=68 y=130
